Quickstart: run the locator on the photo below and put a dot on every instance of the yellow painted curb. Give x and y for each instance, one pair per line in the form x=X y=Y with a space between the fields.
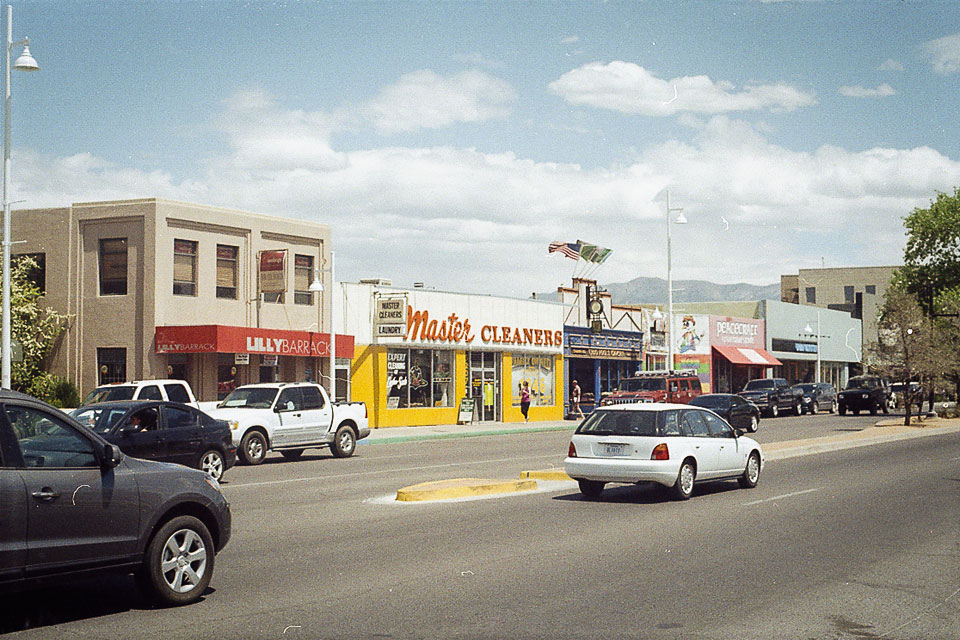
x=546 y=474
x=461 y=488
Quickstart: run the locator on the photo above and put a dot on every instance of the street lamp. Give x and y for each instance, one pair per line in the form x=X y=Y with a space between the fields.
x=23 y=63
x=680 y=220
x=317 y=287
x=808 y=330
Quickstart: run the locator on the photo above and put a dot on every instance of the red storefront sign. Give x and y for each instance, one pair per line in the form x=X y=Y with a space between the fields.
x=216 y=338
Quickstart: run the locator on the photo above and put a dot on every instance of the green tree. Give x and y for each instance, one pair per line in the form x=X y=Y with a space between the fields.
x=907 y=346
x=36 y=328
x=931 y=258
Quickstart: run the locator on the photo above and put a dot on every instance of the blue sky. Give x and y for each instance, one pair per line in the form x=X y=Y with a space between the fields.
x=450 y=142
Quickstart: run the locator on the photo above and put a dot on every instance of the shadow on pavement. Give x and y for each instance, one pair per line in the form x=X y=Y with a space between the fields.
x=71 y=600
x=649 y=494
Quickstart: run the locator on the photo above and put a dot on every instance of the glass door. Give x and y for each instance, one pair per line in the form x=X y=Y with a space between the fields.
x=485 y=385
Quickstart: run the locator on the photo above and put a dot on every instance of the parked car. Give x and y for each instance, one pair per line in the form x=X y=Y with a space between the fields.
x=678 y=387
x=73 y=501
x=773 y=395
x=163 y=431
x=898 y=398
x=865 y=393
x=289 y=417
x=818 y=396
x=172 y=390
x=739 y=412
x=669 y=444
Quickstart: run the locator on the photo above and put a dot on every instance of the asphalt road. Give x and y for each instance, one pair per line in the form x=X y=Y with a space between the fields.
x=861 y=543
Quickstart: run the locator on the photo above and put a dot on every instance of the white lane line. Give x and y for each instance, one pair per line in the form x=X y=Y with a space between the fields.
x=786 y=495
x=382 y=471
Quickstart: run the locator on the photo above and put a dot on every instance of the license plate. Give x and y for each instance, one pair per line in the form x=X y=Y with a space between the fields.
x=614 y=449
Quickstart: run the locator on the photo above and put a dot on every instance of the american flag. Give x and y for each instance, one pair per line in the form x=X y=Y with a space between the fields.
x=569 y=249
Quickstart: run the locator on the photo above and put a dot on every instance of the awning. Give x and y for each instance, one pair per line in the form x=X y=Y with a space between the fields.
x=748 y=355
x=218 y=338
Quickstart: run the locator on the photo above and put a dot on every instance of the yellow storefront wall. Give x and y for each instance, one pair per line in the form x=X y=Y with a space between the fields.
x=368 y=384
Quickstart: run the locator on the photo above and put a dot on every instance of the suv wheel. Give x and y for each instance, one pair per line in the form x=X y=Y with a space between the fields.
x=754 y=423
x=799 y=409
x=774 y=411
x=344 y=442
x=178 y=563
x=253 y=447
x=833 y=407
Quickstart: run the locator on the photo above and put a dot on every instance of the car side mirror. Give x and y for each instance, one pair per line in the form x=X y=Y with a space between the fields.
x=738 y=433
x=111 y=456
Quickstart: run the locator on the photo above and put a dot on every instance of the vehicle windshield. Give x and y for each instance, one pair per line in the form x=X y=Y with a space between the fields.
x=113 y=392
x=807 y=388
x=99 y=419
x=643 y=384
x=250 y=398
x=862 y=383
x=754 y=385
x=711 y=402
x=621 y=423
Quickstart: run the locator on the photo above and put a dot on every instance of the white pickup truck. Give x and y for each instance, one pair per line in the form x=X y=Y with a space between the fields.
x=172 y=390
x=289 y=417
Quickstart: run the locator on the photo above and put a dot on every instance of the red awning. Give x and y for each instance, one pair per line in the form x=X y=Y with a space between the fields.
x=748 y=355
x=217 y=338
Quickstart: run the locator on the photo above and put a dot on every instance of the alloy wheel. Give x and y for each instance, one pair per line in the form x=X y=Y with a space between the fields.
x=184 y=561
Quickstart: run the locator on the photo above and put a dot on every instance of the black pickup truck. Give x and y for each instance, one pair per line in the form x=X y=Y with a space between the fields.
x=773 y=395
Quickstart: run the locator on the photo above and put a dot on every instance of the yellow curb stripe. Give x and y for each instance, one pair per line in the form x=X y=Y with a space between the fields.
x=461 y=488
x=546 y=474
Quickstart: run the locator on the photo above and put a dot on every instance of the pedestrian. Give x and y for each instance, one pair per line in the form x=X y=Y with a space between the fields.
x=525 y=400
x=575 y=400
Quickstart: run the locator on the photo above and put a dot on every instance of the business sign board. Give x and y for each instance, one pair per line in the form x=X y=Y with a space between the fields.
x=391 y=317
x=737 y=332
x=273 y=271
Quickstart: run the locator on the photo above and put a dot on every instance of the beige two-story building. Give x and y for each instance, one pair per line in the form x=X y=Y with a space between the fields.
x=156 y=289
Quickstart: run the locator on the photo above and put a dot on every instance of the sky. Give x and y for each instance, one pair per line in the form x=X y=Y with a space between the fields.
x=450 y=143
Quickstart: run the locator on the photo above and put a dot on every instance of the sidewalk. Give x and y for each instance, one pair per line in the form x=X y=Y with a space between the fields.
x=389 y=435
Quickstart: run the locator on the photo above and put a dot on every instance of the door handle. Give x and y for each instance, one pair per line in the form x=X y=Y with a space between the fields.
x=46 y=495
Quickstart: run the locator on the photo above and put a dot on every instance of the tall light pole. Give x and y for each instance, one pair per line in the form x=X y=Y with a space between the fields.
x=24 y=63
x=680 y=220
x=809 y=330
x=317 y=287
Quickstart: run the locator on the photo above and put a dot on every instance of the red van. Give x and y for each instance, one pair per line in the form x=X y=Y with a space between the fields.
x=678 y=387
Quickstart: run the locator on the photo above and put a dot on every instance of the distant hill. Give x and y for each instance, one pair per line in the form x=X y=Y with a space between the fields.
x=654 y=291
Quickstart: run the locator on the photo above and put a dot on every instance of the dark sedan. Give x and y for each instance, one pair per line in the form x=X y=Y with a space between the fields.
x=740 y=413
x=818 y=396
x=163 y=431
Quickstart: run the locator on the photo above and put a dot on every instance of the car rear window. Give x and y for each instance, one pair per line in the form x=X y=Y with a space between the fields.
x=106 y=394
x=621 y=423
x=711 y=402
x=177 y=393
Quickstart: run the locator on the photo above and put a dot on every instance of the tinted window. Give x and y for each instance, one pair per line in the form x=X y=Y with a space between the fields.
x=311 y=398
x=250 y=398
x=683 y=385
x=712 y=402
x=177 y=418
x=289 y=400
x=671 y=423
x=106 y=394
x=150 y=393
x=177 y=393
x=695 y=384
x=643 y=384
x=46 y=442
x=100 y=419
x=754 y=385
x=694 y=425
x=624 y=423
x=673 y=386
x=807 y=388
x=718 y=428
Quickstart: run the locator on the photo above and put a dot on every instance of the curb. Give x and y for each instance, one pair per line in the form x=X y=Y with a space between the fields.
x=462 y=488
x=546 y=474
x=463 y=434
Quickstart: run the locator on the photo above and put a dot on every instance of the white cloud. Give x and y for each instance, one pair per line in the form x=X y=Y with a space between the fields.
x=890 y=65
x=857 y=91
x=944 y=53
x=570 y=40
x=629 y=88
x=426 y=100
x=465 y=220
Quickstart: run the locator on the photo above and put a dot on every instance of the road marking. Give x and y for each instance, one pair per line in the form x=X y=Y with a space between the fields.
x=786 y=495
x=382 y=471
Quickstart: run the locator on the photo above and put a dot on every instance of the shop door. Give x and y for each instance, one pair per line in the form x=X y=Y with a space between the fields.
x=485 y=385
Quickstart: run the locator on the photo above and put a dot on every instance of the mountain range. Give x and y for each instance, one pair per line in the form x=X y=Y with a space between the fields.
x=654 y=291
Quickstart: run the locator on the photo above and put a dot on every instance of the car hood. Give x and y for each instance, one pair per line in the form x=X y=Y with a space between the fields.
x=755 y=394
x=239 y=415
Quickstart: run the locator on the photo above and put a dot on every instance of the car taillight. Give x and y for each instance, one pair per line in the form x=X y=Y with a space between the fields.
x=572 y=451
x=660 y=452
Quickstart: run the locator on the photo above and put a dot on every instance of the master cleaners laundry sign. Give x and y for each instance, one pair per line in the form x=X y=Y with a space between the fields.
x=391 y=318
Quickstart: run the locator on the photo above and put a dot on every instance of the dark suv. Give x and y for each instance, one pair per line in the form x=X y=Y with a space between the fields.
x=818 y=396
x=72 y=502
x=865 y=393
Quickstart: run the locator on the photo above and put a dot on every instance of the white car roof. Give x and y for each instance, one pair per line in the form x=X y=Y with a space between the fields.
x=645 y=406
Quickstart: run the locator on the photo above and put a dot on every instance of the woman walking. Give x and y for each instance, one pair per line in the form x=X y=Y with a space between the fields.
x=525 y=400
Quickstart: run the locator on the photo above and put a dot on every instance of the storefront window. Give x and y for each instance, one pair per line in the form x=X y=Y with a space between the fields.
x=227 y=374
x=538 y=371
x=419 y=378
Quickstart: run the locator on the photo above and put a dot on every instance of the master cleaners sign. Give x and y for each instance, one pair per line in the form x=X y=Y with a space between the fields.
x=391 y=318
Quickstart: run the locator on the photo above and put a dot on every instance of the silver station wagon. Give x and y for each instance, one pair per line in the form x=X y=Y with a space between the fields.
x=672 y=445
